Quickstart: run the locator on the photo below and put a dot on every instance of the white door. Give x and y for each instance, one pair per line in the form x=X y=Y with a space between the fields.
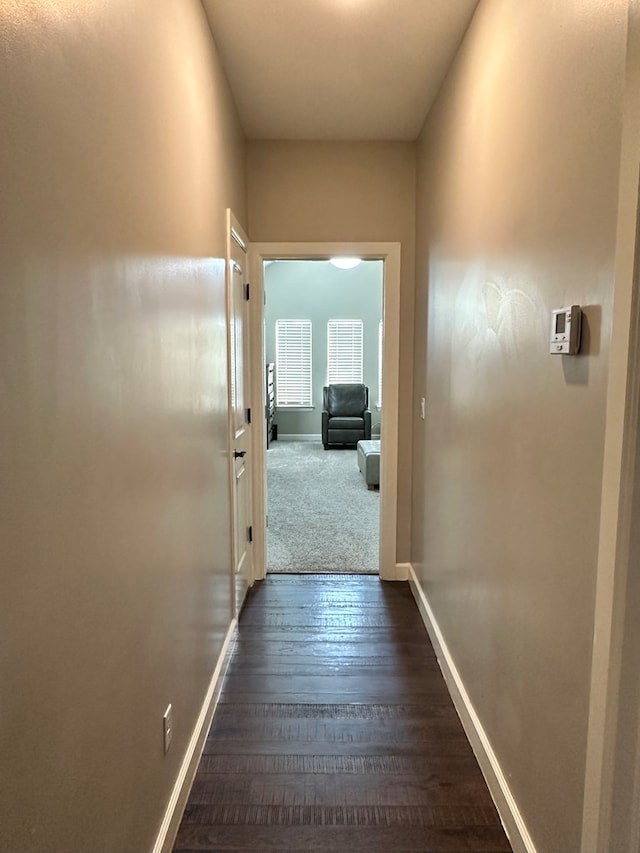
x=240 y=413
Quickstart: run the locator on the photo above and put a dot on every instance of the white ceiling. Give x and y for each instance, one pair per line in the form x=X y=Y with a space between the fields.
x=336 y=69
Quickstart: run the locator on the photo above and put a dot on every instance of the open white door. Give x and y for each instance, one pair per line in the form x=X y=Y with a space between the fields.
x=240 y=413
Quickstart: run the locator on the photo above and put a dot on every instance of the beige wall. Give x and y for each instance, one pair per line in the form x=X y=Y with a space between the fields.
x=332 y=191
x=119 y=151
x=517 y=195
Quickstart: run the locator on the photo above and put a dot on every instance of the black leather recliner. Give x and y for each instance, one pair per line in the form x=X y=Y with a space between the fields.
x=345 y=414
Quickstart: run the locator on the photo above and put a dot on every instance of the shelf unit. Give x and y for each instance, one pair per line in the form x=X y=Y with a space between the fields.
x=270 y=408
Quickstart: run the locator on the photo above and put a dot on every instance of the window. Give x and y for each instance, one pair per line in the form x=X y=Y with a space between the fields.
x=344 y=351
x=293 y=363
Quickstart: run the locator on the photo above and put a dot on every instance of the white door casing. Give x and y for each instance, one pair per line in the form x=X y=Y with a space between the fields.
x=611 y=814
x=389 y=253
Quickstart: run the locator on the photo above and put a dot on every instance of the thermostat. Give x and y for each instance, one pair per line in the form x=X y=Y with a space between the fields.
x=565 y=330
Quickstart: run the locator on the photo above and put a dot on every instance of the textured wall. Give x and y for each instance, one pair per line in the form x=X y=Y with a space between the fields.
x=306 y=191
x=516 y=204
x=119 y=151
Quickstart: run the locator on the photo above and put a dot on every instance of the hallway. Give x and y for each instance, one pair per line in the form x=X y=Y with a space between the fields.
x=335 y=732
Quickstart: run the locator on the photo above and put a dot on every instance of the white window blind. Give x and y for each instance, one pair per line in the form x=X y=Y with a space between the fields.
x=344 y=351
x=293 y=362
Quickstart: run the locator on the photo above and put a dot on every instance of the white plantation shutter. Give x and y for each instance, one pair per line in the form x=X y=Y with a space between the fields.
x=293 y=362
x=344 y=351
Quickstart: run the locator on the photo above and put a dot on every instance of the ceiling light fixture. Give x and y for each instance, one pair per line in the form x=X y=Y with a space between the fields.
x=345 y=263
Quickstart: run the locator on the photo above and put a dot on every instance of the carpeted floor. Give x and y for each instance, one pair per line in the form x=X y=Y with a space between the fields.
x=322 y=517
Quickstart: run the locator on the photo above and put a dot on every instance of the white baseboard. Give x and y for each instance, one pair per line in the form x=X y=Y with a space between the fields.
x=178 y=799
x=398 y=572
x=307 y=436
x=504 y=800
x=402 y=571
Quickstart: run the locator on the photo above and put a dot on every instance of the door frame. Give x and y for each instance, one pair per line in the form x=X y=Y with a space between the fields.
x=611 y=818
x=389 y=254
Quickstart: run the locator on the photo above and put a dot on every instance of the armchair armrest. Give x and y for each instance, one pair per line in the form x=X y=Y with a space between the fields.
x=367 y=424
x=325 y=428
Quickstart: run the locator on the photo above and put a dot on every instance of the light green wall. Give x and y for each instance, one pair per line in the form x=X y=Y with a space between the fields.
x=318 y=291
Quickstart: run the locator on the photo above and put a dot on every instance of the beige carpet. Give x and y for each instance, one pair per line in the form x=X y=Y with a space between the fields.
x=321 y=516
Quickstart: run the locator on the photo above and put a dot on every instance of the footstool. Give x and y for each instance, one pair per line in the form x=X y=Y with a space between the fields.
x=368 y=453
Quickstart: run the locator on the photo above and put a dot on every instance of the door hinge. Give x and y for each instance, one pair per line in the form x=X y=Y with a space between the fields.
x=248 y=418
x=250 y=533
x=246 y=291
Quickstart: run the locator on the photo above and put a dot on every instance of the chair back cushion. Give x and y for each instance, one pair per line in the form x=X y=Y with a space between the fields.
x=346 y=400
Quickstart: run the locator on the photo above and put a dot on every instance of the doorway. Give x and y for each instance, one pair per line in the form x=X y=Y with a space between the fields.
x=389 y=255
x=323 y=325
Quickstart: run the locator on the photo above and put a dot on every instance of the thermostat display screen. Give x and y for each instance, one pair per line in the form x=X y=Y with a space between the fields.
x=560 y=323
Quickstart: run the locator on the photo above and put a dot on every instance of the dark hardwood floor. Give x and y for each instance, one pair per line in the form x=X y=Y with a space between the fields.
x=335 y=732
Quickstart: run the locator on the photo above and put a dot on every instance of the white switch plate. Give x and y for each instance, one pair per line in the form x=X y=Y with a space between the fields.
x=167 y=727
x=422 y=407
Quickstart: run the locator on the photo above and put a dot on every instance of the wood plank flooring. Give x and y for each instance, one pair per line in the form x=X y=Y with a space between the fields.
x=335 y=732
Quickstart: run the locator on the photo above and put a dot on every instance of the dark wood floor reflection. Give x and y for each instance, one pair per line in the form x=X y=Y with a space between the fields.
x=335 y=732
